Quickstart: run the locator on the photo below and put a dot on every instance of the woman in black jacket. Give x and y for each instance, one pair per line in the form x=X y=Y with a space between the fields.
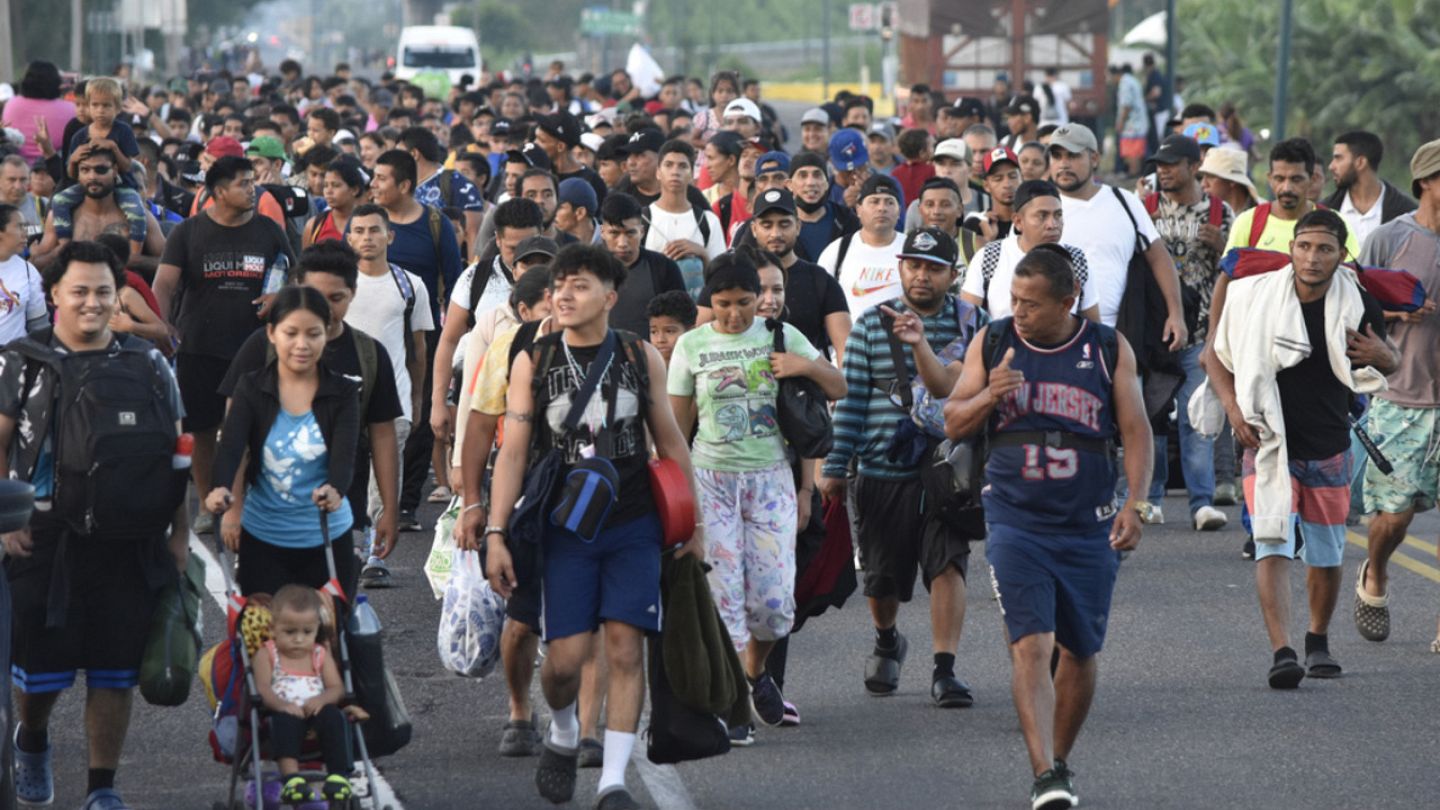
x=291 y=431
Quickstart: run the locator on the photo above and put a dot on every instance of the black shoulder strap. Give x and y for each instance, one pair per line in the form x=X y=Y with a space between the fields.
x=447 y=186
x=993 y=336
x=636 y=356
x=702 y=223
x=1110 y=349
x=523 y=341
x=1141 y=243
x=844 y=249
x=897 y=356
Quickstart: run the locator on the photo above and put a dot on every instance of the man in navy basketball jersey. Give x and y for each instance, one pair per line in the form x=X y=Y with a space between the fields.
x=1053 y=391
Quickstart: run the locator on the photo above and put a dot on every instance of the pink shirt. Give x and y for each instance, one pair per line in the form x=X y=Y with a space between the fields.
x=20 y=113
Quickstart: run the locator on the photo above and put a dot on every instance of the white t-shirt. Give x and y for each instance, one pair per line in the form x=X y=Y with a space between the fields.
x=1099 y=227
x=379 y=311
x=998 y=301
x=1363 y=224
x=871 y=275
x=1059 y=112
x=666 y=227
x=496 y=292
x=22 y=297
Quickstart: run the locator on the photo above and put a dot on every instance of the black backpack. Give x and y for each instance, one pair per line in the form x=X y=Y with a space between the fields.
x=114 y=437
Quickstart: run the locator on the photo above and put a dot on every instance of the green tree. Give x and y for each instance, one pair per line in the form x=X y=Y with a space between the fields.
x=1355 y=64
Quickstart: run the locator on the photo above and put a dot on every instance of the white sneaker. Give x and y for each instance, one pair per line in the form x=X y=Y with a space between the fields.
x=1209 y=519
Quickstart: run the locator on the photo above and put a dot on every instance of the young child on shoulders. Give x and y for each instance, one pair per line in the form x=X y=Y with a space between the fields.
x=103 y=97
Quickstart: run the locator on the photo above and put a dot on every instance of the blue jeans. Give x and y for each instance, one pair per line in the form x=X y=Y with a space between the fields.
x=1196 y=452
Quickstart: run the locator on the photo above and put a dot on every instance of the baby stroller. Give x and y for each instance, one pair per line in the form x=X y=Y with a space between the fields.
x=238 y=735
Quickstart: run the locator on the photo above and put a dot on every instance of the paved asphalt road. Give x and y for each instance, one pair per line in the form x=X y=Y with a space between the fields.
x=1183 y=717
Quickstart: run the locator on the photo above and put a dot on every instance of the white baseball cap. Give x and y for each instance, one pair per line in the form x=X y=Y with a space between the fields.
x=743 y=106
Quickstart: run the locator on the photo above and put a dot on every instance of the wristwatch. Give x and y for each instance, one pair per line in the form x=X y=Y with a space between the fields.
x=500 y=530
x=1145 y=510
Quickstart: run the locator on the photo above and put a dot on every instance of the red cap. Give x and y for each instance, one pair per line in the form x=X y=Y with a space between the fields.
x=999 y=154
x=225 y=146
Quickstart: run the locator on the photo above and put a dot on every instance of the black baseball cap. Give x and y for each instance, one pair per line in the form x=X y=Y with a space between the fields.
x=728 y=143
x=879 y=184
x=536 y=245
x=531 y=155
x=931 y=245
x=1030 y=189
x=969 y=107
x=1024 y=105
x=562 y=126
x=612 y=148
x=775 y=199
x=646 y=140
x=1176 y=148
x=502 y=127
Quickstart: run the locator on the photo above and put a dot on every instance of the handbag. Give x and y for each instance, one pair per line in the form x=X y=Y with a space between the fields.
x=389 y=728
x=471 y=619
x=678 y=733
x=438 y=565
x=801 y=409
x=674 y=500
x=952 y=475
x=173 y=649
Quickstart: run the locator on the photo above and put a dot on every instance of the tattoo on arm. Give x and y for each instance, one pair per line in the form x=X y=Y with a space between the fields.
x=519 y=417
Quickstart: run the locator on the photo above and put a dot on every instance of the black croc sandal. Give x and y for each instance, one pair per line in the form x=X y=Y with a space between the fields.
x=1286 y=674
x=882 y=672
x=950 y=692
x=1320 y=664
x=555 y=775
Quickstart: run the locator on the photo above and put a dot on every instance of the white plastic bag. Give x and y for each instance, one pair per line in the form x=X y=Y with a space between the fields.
x=442 y=551
x=471 y=620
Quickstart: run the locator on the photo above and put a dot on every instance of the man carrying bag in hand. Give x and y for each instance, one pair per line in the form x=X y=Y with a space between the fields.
x=588 y=393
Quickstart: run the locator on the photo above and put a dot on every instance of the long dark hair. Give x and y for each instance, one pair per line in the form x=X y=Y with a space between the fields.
x=42 y=81
x=296 y=297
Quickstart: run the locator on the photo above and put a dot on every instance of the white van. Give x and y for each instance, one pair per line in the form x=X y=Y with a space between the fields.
x=450 y=49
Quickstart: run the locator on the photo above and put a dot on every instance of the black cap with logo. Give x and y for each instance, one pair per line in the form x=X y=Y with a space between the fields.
x=931 y=245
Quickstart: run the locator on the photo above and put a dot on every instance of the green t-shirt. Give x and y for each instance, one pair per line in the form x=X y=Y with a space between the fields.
x=734 y=389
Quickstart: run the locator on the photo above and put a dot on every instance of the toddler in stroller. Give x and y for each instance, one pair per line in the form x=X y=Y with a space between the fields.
x=300 y=684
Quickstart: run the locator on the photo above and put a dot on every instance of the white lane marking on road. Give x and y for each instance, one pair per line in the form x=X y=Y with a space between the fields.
x=385 y=798
x=663 y=781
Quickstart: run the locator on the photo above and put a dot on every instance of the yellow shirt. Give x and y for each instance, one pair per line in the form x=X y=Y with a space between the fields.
x=1278 y=234
x=493 y=380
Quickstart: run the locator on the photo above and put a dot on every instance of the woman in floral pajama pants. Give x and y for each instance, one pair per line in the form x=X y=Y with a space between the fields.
x=723 y=380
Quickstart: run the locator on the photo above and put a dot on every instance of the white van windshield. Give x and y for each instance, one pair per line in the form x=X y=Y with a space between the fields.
x=439 y=56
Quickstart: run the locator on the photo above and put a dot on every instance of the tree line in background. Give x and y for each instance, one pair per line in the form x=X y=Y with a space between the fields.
x=1355 y=64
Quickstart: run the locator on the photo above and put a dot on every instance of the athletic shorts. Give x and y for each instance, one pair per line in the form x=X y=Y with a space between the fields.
x=1410 y=439
x=107 y=620
x=1132 y=147
x=616 y=578
x=199 y=377
x=1321 y=501
x=896 y=538
x=1054 y=583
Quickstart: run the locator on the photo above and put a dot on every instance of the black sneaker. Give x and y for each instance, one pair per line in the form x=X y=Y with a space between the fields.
x=766 y=702
x=1052 y=791
x=1248 y=550
x=742 y=736
x=408 y=522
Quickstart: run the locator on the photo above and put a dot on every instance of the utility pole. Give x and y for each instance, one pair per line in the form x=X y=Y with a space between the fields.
x=7 y=46
x=825 y=58
x=77 y=28
x=1171 y=29
x=1282 y=72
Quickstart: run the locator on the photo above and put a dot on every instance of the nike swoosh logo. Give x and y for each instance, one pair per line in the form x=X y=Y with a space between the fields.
x=859 y=291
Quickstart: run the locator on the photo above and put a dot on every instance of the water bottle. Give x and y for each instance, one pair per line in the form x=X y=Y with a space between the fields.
x=276 y=275
x=184 y=449
x=366 y=622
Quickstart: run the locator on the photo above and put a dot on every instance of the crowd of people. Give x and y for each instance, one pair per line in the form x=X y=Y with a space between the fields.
x=539 y=289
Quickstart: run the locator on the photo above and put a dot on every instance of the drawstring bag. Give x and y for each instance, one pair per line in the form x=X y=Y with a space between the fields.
x=801 y=409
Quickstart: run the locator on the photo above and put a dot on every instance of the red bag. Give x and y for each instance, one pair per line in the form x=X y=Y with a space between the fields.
x=674 y=501
x=824 y=579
